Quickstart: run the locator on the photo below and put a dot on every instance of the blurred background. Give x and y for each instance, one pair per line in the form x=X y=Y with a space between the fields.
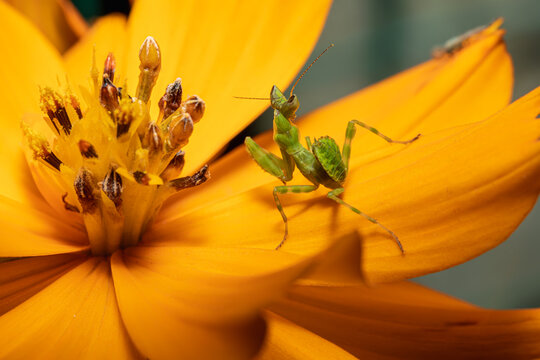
x=375 y=39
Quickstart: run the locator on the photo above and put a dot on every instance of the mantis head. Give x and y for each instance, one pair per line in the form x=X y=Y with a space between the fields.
x=285 y=106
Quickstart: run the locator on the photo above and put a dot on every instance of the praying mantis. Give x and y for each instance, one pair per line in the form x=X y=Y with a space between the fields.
x=320 y=162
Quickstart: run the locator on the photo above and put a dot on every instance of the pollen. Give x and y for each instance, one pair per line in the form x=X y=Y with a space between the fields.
x=116 y=164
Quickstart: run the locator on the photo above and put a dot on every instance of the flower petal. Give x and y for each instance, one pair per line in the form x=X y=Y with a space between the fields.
x=59 y=20
x=218 y=65
x=30 y=62
x=450 y=196
x=210 y=296
x=439 y=94
x=76 y=317
x=22 y=278
x=285 y=340
x=108 y=34
x=407 y=321
x=27 y=231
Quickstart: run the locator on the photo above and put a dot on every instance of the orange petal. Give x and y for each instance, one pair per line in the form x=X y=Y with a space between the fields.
x=76 y=317
x=30 y=62
x=108 y=34
x=407 y=321
x=21 y=279
x=59 y=20
x=192 y=302
x=439 y=94
x=258 y=44
x=27 y=231
x=285 y=340
x=450 y=196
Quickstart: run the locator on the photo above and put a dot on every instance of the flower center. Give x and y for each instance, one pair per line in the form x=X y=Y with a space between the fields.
x=115 y=164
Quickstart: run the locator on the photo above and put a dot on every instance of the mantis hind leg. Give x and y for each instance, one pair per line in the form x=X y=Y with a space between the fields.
x=351 y=132
x=286 y=190
x=334 y=196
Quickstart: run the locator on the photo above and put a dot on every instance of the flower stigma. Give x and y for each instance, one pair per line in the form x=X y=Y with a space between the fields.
x=115 y=165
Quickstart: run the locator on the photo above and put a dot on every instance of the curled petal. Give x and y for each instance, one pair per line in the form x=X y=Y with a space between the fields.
x=407 y=321
x=286 y=340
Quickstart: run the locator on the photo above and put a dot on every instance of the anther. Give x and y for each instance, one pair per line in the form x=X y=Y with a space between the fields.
x=108 y=96
x=127 y=113
x=87 y=150
x=174 y=168
x=84 y=188
x=150 y=57
x=40 y=147
x=112 y=187
x=110 y=67
x=76 y=105
x=172 y=98
x=152 y=140
x=141 y=177
x=190 y=181
x=180 y=129
x=195 y=106
x=53 y=105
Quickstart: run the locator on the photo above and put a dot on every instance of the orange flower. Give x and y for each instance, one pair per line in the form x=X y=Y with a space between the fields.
x=196 y=283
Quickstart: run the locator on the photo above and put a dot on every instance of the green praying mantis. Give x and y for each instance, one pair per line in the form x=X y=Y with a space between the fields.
x=320 y=162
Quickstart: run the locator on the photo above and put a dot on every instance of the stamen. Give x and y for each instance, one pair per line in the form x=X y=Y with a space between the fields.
x=153 y=141
x=112 y=187
x=53 y=105
x=140 y=160
x=172 y=98
x=40 y=147
x=84 y=188
x=195 y=106
x=180 y=130
x=108 y=95
x=150 y=58
x=190 y=181
x=110 y=67
x=175 y=166
x=87 y=150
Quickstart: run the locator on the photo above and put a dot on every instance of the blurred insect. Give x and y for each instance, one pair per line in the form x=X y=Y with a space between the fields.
x=321 y=162
x=455 y=44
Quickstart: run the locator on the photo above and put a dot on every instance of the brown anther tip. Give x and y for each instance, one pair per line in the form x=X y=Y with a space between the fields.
x=180 y=130
x=172 y=99
x=87 y=150
x=110 y=66
x=175 y=166
x=108 y=96
x=141 y=177
x=153 y=140
x=149 y=54
x=84 y=188
x=197 y=179
x=195 y=106
x=112 y=187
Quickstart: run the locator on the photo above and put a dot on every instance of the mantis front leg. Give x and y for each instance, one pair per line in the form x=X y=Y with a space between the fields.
x=334 y=195
x=351 y=131
x=281 y=168
x=285 y=190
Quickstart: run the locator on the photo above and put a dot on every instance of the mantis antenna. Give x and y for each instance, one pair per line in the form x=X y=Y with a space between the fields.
x=310 y=65
x=250 y=98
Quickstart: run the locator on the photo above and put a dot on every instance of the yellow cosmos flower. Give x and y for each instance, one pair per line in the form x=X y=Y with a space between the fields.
x=203 y=281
